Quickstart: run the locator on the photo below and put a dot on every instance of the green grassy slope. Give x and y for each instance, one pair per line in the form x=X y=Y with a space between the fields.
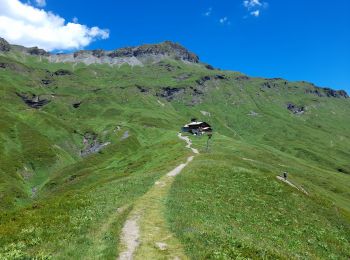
x=228 y=203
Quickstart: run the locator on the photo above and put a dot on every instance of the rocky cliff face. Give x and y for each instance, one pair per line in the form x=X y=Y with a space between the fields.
x=130 y=55
x=4 y=45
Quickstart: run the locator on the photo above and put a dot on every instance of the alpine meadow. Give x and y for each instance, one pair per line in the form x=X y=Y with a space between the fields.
x=94 y=162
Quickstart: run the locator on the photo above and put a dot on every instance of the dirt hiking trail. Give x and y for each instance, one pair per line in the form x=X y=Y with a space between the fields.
x=292 y=185
x=145 y=234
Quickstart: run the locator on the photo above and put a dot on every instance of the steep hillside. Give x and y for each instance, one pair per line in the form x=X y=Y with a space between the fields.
x=84 y=135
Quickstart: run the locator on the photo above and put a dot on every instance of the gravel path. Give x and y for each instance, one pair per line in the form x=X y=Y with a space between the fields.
x=131 y=235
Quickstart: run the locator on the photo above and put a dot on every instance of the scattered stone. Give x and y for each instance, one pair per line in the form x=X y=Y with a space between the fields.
x=241 y=78
x=160 y=183
x=77 y=104
x=96 y=90
x=33 y=100
x=205 y=113
x=46 y=81
x=34 y=192
x=4 y=65
x=91 y=144
x=142 y=89
x=298 y=110
x=161 y=246
x=252 y=113
x=204 y=79
x=168 y=67
x=223 y=77
x=160 y=103
x=125 y=135
x=121 y=209
x=209 y=67
x=183 y=76
x=271 y=83
x=194 y=101
x=62 y=72
x=197 y=91
x=169 y=93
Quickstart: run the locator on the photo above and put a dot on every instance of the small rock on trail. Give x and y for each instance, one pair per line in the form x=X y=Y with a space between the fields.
x=161 y=246
x=125 y=135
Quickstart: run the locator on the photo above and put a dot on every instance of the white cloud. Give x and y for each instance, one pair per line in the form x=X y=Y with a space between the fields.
x=224 y=20
x=254 y=7
x=255 y=13
x=40 y=3
x=208 y=13
x=26 y=25
x=252 y=3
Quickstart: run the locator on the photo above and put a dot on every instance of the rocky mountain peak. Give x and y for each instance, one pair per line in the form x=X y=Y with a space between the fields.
x=131 y=55
x=166 y=48
x=4 y=45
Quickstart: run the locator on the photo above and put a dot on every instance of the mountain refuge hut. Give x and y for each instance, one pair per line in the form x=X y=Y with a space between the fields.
x=197 y=127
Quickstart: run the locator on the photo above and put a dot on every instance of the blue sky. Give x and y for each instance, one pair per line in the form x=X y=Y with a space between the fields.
x=294 y=39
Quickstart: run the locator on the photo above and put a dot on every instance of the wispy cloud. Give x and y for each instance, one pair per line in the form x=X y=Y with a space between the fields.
x=255 y=13
x=224 y=20
x=208 y=12
x=40 y=3
x=254 y=7
x=252 y=3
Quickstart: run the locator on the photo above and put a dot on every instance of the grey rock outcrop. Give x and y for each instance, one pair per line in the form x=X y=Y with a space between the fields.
x=4 y=45
x=37 y=52
x=327 y=92
x=169 y=93
x=33 y=100
x=91 y=144
x=295 y=109
x=129 y=55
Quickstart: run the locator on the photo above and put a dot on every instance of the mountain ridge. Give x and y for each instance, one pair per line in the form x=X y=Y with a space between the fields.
x=138 y=56
x=166 y=49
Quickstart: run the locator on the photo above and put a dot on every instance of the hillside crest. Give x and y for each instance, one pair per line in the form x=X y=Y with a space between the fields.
x=139 y=56
x=131 y=55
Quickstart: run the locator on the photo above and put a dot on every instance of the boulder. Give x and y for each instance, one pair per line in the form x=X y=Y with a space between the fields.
x=62 y=72
x=295 y=109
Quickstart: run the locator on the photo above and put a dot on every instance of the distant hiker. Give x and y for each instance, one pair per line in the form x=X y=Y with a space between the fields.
x=285 y=175
x=209 y=137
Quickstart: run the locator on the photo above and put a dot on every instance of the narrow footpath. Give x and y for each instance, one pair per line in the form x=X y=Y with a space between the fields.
x=145 y=234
